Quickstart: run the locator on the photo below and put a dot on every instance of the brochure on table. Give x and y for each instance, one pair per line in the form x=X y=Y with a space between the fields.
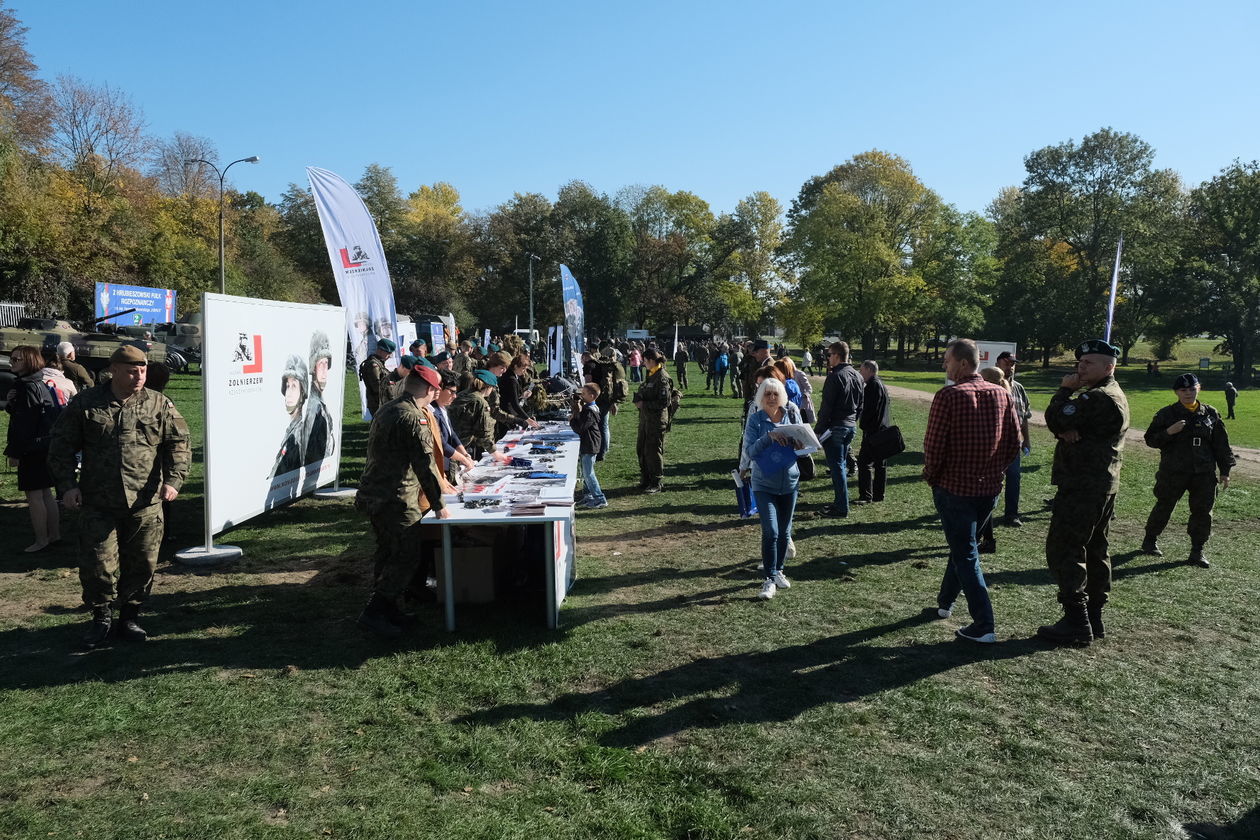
x=535 y=487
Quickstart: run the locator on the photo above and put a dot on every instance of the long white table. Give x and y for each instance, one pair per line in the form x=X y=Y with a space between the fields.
x=559 y=541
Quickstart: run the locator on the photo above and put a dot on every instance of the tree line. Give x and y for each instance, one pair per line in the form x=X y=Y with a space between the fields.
x=865 y=250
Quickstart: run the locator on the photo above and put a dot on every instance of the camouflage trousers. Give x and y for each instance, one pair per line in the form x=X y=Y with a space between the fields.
x=118 y=552
x=1169 y=488
x=397 y=550
x=1076 y=545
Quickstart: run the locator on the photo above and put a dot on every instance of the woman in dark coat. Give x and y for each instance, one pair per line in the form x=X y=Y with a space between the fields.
x=33 y=409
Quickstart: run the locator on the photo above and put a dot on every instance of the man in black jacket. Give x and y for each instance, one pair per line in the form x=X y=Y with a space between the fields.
x=837 y=417
x=876 y=416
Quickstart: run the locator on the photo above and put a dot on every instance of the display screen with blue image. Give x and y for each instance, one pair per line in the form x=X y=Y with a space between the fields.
x=153 y=306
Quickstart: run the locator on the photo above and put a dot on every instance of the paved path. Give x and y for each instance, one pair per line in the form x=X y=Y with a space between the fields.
x=1248 y=459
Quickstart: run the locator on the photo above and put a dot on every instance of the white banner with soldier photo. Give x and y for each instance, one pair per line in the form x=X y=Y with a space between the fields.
x=274 y=376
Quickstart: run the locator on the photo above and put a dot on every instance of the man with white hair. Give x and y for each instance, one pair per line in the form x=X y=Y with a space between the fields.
x=74 y=371
x=1090 y=426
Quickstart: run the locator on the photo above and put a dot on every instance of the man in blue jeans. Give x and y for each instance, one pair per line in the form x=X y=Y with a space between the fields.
x=972 y=436
x=1007 y=362
x=838 y=416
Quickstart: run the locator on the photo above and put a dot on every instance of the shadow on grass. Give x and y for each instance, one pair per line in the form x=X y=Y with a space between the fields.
x=310 y=626
x=1247 y=827
x=769 y=687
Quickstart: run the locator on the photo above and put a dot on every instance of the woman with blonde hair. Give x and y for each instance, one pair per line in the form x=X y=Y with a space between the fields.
x=774 y=489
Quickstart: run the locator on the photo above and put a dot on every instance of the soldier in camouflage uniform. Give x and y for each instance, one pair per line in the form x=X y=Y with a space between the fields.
x=320 y=439
x=401 y=464
x=470 y=414
x=1193 y=445
x=653 y=401
x=135 y=455
x=1090 y=428
x=375 y=375
x=293 y=389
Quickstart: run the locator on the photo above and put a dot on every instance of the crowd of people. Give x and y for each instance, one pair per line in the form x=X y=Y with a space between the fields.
x=117 y=450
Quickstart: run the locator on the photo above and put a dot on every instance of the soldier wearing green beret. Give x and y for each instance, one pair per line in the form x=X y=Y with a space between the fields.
x=1193 y=445
x=375 y=375
x=470 y=414
x=1089 y=415
x=135 y=454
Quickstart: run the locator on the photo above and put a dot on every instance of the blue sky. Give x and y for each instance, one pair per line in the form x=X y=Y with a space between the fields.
x=719 y=98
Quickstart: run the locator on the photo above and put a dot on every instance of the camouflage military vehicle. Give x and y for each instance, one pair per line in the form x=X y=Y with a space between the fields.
x=92 y=348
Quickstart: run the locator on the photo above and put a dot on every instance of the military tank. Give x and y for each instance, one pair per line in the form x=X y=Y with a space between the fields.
x=92 y=347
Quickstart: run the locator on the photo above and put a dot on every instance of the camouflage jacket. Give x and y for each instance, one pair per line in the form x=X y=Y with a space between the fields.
x=470 y=417
x=130 y=448
x=374 y=375
x=1201 y=447
x=400 y=461
x=1101 y=416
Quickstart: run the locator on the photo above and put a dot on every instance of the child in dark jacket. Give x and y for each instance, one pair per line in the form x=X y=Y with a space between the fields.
x=590 y=429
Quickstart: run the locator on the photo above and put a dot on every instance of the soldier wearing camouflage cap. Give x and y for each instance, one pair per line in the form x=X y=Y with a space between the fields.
x=135 y=454
x=1089 y=415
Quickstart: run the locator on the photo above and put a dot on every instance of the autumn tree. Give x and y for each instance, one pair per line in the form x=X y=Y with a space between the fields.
x=852 y=238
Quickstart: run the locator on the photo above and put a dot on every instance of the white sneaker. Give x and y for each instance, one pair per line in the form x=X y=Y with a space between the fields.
x=781 y=581
x=767 y=590
x=944 y=613
x=791 y=550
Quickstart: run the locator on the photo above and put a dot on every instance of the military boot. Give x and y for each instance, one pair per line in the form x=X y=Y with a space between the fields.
x=1197 y=558
x=98 y=630
x=1150 y=546
x=127 y=627
x=376 y=618
x=1072 y=629
x=1095 y=612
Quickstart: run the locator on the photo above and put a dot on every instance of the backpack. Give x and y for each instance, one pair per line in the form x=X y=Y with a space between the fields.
x=675 y=401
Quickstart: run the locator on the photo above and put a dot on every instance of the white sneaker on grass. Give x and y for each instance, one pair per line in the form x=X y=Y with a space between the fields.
x=767 y=590
x=781 y=581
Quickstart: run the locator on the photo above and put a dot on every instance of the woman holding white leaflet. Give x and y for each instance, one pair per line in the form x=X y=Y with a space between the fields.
x=773 y=488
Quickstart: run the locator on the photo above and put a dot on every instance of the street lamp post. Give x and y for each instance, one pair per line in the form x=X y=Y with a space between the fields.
x=532 y=259
x=222 y=178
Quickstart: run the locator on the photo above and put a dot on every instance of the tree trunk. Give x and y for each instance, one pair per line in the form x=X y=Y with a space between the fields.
x=901 y=347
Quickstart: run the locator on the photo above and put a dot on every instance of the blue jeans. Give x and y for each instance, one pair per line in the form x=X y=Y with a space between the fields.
x=776 y=528
x=836 y=450
x=607 y=441
x=961 y=516
x=1012 y=487
x=593 y=491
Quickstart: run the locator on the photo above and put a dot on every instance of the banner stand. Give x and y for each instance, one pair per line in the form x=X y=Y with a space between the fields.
x=208 y=554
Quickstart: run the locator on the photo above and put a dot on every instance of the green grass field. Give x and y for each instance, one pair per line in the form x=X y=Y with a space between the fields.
x=670 y=704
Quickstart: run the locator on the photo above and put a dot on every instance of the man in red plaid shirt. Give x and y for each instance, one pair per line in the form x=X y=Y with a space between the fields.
x=972 y=437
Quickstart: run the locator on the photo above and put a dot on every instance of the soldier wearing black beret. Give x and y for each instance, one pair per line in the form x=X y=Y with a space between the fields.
x=1193 y=446
x=1089 y=415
